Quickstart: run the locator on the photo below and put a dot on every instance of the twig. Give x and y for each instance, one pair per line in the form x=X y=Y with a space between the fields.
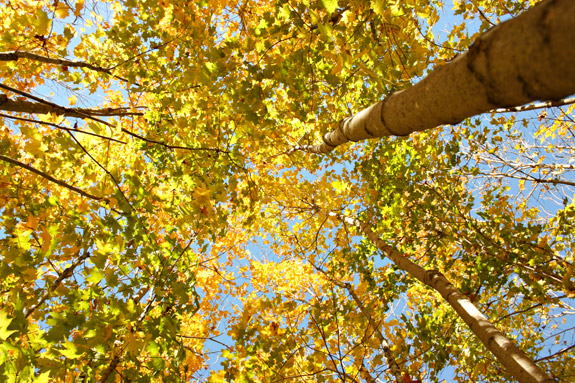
x=67 y=273
x=217 y=150
x=539 y=105
x=14 y=56
x=61 y=127
x=556 y=354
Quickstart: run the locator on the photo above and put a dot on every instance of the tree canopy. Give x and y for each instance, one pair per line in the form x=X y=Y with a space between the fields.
x=180 y=204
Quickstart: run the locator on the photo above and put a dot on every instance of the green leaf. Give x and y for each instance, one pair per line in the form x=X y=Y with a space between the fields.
x=329 y=5
x=4 y=323
x=95 y=276
x=70 y=351
x=43 y=377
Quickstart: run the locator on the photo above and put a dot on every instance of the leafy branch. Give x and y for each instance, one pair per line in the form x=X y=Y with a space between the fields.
x=61 y=127
x=16 y=55
x=66 y=273
x=516 y=362
x=50 y=178
x=168 y=146
x=42 y=106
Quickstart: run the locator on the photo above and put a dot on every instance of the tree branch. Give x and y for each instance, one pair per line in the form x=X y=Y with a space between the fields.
x=61 y=127
x=111 y=367
x=556 y=354
x=42 y=106
x=15 y=56
x=168 y=146
x=516 y=362
x=535 y=59
x=50 y=178
x=539 y=105
x=67 y=273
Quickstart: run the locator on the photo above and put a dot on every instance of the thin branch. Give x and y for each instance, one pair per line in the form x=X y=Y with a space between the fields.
x=529 y=178
x=50 y=178
x=103 y=168
x=394 y=367
x=61 y=127
x=539 y=105
x=44 y=107
x=204 y=338
x=67 y=273
x=111 y=367
x=14 y=56
x=525 y=310
x=483 y=15
x=556 y=354
x=168 y=146
x=326 y=344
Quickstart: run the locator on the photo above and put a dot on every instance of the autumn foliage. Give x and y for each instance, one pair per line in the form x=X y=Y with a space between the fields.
x=161 y=220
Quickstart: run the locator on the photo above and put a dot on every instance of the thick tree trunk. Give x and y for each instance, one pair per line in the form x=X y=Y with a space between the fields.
x=519 y=365
x=528 y=58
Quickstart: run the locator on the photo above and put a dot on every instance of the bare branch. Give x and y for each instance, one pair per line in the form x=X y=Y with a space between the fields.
x=557 y=353
x=539 y=105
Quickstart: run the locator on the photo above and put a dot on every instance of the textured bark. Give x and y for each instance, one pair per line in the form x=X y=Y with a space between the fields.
x=519 y=365
x=525 y=59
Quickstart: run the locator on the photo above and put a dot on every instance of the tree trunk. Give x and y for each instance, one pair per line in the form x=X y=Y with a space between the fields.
x=519 y=365
x=528 y=58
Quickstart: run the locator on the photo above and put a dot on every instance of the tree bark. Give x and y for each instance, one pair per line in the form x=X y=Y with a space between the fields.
x=519 y=365
x=528 y=58
x=22 y=106
x=16 y=55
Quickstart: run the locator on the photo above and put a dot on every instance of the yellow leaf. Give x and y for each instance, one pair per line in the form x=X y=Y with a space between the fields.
x=32 y=222
x=4 y=323
x=70 y=351
x=202 y=196
x=78 y=8
x=62 y=11
x=219 y=377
